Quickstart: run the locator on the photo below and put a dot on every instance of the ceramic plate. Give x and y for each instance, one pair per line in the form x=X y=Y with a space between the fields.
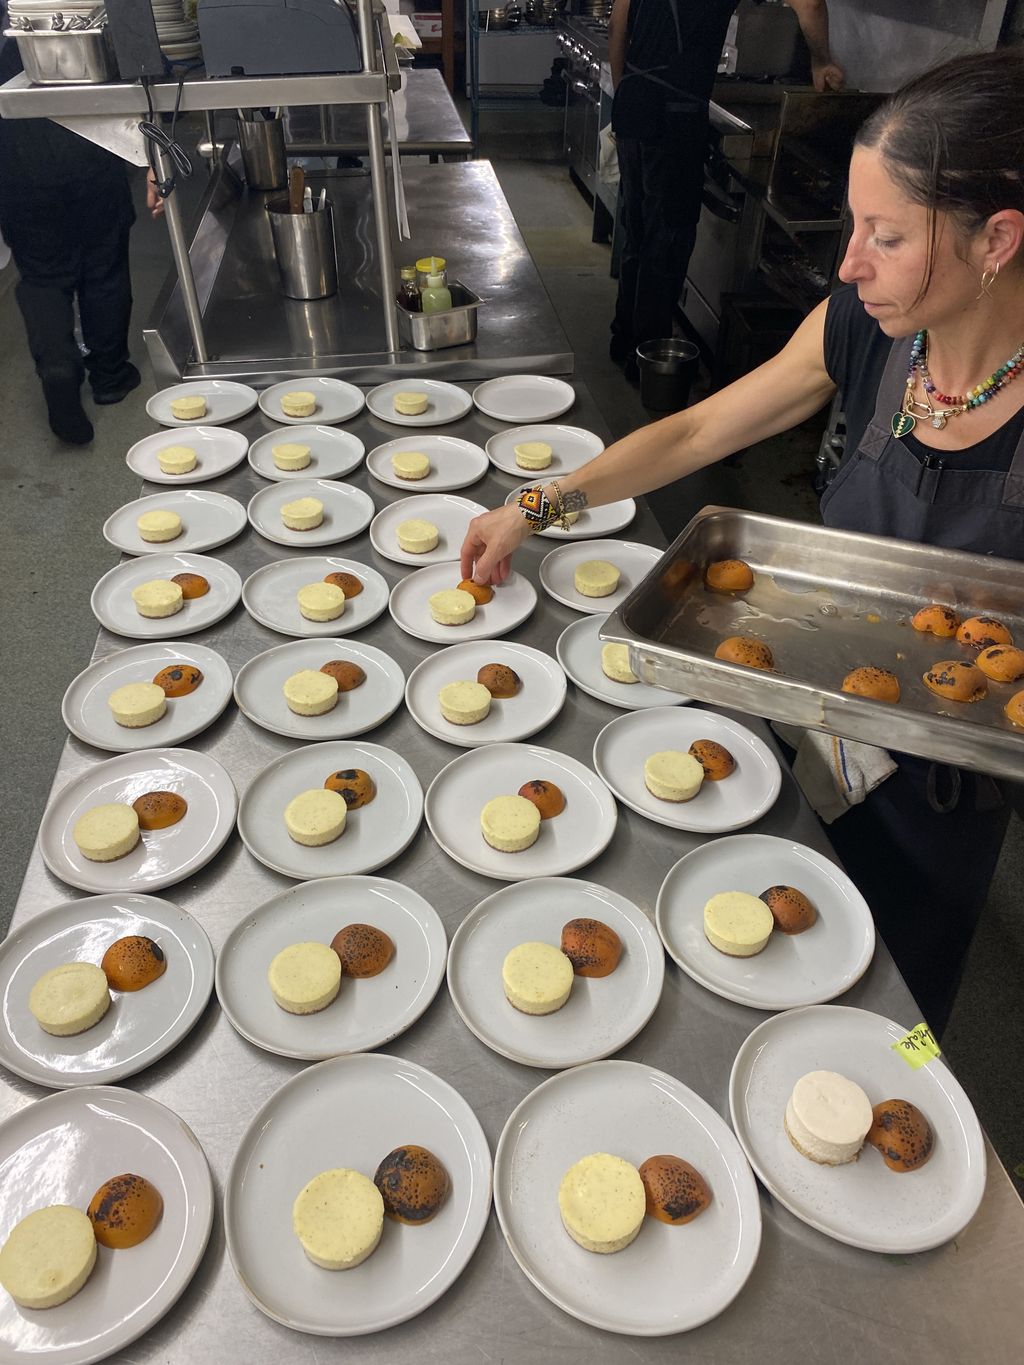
x=571 y=448
x=591 y=523
x=217 y=452
x=511 y=604
x=634 y=562
x=336 y=401
x=373 y=835
x=270 y=596
x=139 y=1026
x=366 y=1013
x=863 y=1203
x=226 y=401
x=579 y=652
x=445 y=402
x=59 y=1151
x=87 y=713
x=259 y=689
x=112 y=604
x=450 y=514
x=794 y=969
x=352 y=1111
x=332 y=454
x=162 y=856
x=601 y=1014
x=669 y=1279
x=459 y=793
x=739 y=799
x=347 y=512
x=453 y=463
x=524 y=398
x=207 y=520
x=537 y=702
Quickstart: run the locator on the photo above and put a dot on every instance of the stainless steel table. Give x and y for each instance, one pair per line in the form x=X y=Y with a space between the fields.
x=807 y=1295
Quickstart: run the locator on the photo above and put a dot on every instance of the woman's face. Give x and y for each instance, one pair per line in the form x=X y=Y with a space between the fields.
x=887 y=257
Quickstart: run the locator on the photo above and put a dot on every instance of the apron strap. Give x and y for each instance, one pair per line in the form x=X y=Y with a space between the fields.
x=1013 y=489
x=890 y=400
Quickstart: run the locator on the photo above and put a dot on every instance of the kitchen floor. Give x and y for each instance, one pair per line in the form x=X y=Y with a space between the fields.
x=56 y=497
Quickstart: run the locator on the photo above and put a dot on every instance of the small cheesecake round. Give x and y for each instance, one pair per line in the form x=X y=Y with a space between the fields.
x=304 y=514
x=746 y=650
x=137 y=704
x=291 y=455
x=675 y=1191
x=346 y=674
x=158 y=597
x=546 y=796
x=69 y=999
x=827 y=1118
x=48 y=1257
x=615 y=664
x=1014 y=709
x=481 y=593
x=979 y=632
x=596 y=578
x=159 y=810
x=304 y=977
x=464 y=703
x=510 y=824
x=124 y=1211
x=500 y=680
x=363 y=949
x=942 y=622
x=338 y=1218
x=593 y=947
x=716 y=760
x=602 y=1202
x=192 y=585
x=176 y=459
x=321 y=601
x=189 y=408
x=532 y=454
x=416 y=536
x=106 y=832
x=355 y=787
x=737 y=924
x=791 y=910
x=347 y=582
x=413 y=1184
x=159 y=526
x=311 y=692
x=410 y=404
x=877 y=683
x=410 y=464
x=1002 y=663
x=451 y=607
x=315 y=817
x=729 y=575
x=671 y=775
x=537 y=978
x=133 y=962
x=902 y=1134
x=956 y=681
x=298 y=403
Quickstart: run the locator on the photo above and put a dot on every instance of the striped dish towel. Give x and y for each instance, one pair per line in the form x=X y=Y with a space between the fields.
x=835 y=774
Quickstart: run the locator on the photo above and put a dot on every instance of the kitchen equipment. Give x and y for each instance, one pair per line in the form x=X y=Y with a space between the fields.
x=667 y=370
x=277 y=37
x=304 y=245
x=67 y=57
x=261 y=142
x=434 y=331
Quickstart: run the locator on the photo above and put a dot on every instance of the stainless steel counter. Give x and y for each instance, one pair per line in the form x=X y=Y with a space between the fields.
x=807 y=1295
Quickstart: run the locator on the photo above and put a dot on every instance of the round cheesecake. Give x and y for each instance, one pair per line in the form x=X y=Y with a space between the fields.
x=537 y=978
x=828 y=1118
x=452 y=606
x=316 y=817
x=510 y=823
x=673 y=776
x=158 y=597
x=596 y=578
x=70 y=998
x=305 y=977
x=321 y=601
x=189 y=408
x=615 y=664
x=737 y=924
x=410 y=404
x=532 y=454
x=137 y=704
x=290 y=455
x=298 y=403
x=338 y=1217
x=410 y=464
x=311 y=692
x=464 y=703
x=304 y=514
x=159 y=525
x=106 y=832
x=417 y=537
x=176 y=459
x=48 y=1257
x=602 y=1203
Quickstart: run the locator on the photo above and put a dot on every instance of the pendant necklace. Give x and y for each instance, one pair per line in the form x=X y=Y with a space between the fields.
x=951 y=405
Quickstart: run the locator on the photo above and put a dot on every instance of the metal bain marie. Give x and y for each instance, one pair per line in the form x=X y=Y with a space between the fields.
x=826 y=602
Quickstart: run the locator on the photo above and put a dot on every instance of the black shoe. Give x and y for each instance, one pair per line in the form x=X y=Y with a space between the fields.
x=64 y=409
x=120 y=387
x=619 y=349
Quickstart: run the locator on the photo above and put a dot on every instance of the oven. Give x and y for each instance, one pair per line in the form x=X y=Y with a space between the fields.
x=582 y=76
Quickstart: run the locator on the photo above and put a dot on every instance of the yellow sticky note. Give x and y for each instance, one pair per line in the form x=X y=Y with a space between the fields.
x=918 y=1047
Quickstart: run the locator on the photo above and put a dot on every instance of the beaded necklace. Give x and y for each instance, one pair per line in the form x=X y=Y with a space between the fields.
x=952 y=405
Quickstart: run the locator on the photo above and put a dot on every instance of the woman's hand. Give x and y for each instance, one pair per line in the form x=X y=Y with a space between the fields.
x=490 y=541
x=154 y=202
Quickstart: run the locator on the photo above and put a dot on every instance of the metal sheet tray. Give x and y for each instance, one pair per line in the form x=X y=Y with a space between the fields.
x=826 y=602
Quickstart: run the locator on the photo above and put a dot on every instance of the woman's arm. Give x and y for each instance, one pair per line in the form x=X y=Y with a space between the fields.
x=776 y=396
x=618 y=40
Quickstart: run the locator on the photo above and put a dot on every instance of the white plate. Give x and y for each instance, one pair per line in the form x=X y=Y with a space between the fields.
x=59 y=1151
x=863 y=1203
x=373 y=835
x=511 y=604
x=579 y=652
x=260 y=695
x=460 y=791
x=347 y=512
x=794 y=969
x=594 y=521
x=208 y=520
x=366 y=1013
x=671 y=1278
x=634 y=562
x=445 y=402
x=112 y=604
x=571 y=448
x=537 y=702
x=332 y=454
x=744 y=796
x=336 y=401
x=270 y=596
x=453 y=463
x=451 y=515
x=352 y=1111
x=226 y=401
x=601 y=1014
x=139 y=1026
x=217 y=452
x=162 y=856
x=87 y=713
x=524 y=398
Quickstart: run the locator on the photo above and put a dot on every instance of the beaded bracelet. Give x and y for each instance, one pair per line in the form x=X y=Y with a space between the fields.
x=541 y=511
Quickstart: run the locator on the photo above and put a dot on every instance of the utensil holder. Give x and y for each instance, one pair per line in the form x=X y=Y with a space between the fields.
x=261 y=142
x=667 y=370
x=304 y=244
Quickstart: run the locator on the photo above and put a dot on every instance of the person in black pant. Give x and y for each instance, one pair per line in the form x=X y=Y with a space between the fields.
x=664 y=56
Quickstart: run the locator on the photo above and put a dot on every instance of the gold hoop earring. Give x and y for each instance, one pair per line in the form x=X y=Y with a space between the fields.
x=988 y=279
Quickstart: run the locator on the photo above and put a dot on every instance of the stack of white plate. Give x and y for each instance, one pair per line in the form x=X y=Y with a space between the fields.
x=178 y=35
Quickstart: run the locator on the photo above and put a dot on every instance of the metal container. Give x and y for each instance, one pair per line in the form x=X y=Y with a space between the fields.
x=433 y=331
x=826 y=602
x=304 y=245
x=261 y=142
x=667 y=370
x=68 y=57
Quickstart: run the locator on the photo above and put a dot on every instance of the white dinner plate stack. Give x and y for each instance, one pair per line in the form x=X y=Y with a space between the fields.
x=177 y=34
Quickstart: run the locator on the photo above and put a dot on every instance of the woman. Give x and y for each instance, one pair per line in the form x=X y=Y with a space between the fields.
x=924 y=342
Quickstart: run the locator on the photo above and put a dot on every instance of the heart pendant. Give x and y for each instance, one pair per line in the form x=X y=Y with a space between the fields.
x=903 y=423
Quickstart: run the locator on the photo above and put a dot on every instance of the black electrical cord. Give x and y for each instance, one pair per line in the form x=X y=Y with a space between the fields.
x=156 y=136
